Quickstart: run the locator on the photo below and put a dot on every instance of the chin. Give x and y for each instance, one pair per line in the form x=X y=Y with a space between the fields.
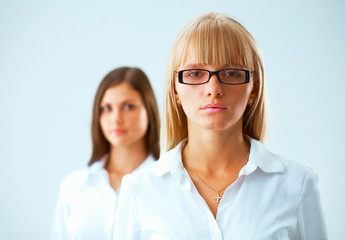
x=214 y=126
x=219 y=125
x=118 y=142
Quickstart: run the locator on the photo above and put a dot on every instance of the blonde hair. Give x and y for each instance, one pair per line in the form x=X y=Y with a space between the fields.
x=215 y=39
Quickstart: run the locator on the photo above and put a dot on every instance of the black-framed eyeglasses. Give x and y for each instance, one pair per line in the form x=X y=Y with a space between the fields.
x=230 y=76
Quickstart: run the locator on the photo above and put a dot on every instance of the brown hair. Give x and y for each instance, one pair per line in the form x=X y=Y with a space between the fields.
x=215 y=39
x=139 y=81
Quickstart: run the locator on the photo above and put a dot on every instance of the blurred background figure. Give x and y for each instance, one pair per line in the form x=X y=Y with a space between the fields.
x=125 y=138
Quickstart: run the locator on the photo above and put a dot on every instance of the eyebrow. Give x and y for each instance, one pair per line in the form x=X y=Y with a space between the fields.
x=122 y=102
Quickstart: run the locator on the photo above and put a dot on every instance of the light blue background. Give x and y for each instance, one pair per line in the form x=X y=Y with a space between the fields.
x=53 y=54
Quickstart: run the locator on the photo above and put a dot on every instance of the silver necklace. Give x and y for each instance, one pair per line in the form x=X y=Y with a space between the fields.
x=218 y=197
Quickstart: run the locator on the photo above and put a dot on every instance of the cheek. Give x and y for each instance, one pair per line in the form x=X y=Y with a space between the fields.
x=144 y=120
x=104 y=126
x=250 y=88
x=242 y=93
x=189 y=95
x=239 y=100
x=102 y=121
x=139 y=119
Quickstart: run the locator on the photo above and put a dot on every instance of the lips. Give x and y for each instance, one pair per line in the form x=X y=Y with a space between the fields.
x=118 y=132
x=214 y=107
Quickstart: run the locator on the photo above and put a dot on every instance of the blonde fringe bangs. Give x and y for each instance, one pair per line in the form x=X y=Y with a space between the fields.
x=210 y=43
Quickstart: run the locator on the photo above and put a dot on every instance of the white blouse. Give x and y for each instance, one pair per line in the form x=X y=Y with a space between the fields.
x=273 y=198
x=86 y=204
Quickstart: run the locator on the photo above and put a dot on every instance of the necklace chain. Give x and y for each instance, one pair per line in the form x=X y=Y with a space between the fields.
x=218 y=197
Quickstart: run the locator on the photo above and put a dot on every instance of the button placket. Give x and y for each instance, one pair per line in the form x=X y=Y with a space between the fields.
x=215 y=232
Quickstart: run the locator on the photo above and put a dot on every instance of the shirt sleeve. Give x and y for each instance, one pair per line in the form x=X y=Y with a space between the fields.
x=310 y=221
x=126 y=224
x=59 y=230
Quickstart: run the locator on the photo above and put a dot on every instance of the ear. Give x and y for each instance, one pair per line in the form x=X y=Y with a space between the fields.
x=176 y=96
x=175 y=92
x=255 y=91
x=253 y=96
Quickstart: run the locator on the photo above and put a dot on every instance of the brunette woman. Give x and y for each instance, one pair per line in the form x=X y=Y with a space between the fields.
x=125 y=138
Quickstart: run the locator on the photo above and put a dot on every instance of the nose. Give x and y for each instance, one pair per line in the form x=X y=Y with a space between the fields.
x=116 y=116
x=214 y=87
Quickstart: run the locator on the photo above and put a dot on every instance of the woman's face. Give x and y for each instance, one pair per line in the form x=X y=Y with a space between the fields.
x=213 y=105
x=123 y=117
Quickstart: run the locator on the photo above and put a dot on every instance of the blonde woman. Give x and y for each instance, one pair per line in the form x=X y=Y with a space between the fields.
x=215 y=179
x=125 y=138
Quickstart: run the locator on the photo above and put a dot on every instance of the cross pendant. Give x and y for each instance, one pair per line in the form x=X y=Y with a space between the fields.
x=218 y=197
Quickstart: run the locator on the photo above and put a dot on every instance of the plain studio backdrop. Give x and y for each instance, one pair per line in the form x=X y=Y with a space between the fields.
x=53 y=54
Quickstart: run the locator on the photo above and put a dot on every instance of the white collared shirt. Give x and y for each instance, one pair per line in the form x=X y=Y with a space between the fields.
x=273 y=198
x=87 y=204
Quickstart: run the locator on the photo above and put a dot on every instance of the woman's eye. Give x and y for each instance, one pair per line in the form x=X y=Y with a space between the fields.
x=105 y=109
x=230 y=73
x=129 y=106
x=195 y=74
x=233 y=73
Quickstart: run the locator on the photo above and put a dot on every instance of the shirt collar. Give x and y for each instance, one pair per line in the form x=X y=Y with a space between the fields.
x=145 y=163
x=98 y=166
x=98 y=172
x=259 y=157
x=171 y=161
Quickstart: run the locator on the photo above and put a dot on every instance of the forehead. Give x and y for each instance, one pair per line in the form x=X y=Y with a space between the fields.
x=121 y=92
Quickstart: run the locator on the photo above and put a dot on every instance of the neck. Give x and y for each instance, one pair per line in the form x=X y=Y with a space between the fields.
x=215 y=152
x=124 y=159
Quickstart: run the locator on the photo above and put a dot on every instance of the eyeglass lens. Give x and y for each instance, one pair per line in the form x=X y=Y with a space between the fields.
x=230 y=76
